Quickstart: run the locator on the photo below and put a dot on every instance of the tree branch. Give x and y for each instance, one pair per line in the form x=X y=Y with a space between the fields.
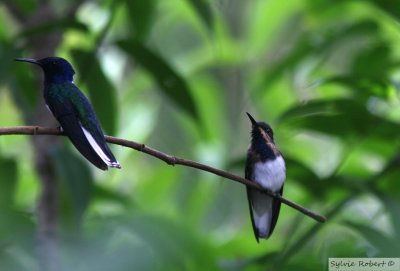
x=169 y=159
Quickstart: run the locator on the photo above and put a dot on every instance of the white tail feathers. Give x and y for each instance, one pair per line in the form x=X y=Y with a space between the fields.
x=99 y=150
x=262 y=213
x=263 y=223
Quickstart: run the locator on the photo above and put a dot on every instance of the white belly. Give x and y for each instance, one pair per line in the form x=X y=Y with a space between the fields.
x=270 y=174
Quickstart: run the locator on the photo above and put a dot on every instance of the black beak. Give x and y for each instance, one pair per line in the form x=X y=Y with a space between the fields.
x=253 y=121
x=34 y=61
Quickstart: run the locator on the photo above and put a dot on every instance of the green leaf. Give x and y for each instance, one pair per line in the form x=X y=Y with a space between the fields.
x=362 y=85
x=389 y=6
x=101 y=91
x=76 y=178
x=305 y=46
x=8 y=177
x=169 y=81
x=24 y=90
x=392 y=206
x=21 y=79
x=297 y=171
x=386 y=245
x=142 y=242
x=388 y=182
x=140 y=16
x=101 y=193
x=7 y=53
x=340 y=117
x=364 y=80
x=175 y=247
x=27 y=7
x=377 y=56
x=14 y=225
x=63 y=24
x=203 y=8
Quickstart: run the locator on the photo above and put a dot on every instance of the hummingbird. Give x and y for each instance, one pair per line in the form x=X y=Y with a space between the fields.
x=73 y=111
x=265 y=166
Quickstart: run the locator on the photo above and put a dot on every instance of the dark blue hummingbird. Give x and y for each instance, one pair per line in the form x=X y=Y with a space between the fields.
x=73 y=111
x=265 y=166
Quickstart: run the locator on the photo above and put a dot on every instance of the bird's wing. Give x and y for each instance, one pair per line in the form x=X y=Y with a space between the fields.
x=91 y=126
x=276 y=207
x=248 y=173
x=66 y=116
x=65 y=112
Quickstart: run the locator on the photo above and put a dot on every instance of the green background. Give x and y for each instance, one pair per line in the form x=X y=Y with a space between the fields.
x=179 y=75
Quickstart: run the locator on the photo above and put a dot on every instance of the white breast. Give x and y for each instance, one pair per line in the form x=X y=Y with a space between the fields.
x=270 y=174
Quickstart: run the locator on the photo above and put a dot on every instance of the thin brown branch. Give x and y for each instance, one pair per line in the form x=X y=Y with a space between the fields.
x=169 y=159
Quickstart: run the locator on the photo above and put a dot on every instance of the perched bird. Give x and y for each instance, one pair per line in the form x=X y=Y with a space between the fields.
x=73 y=111
x=265 y=166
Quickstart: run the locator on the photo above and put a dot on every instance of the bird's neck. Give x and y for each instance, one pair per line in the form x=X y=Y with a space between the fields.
x=266 y=150
x=57 y=78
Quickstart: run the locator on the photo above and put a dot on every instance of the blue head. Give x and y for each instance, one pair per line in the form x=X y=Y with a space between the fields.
x=56 y=69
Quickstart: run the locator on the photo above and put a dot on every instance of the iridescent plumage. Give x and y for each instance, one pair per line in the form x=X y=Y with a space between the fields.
x=265 y=166
x=74 y=112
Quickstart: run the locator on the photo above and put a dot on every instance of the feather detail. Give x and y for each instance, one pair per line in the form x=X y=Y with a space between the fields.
x=99 y=150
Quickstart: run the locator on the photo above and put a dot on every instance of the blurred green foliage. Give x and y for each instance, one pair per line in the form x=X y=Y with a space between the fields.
x=179 y=76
